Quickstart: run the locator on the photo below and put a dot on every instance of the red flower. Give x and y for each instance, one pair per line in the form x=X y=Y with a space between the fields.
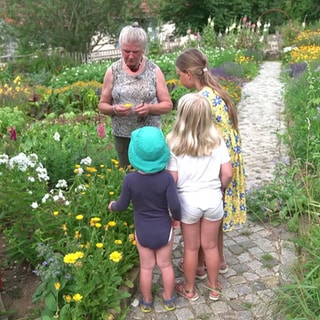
x=13 y=133
x=101 y=131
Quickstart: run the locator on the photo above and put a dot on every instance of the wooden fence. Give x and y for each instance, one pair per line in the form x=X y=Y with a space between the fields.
x=90 y=57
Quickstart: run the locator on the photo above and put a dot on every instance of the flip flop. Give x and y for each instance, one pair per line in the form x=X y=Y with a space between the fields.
x=224 y=269
x=188 y=294
x=214 y=293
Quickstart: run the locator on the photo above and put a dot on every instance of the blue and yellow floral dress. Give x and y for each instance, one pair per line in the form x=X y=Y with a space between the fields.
x=235 y=211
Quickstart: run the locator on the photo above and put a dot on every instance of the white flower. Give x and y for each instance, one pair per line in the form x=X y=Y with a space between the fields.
x=80 y=171
x=4 y=158
x=67 y=203
x=287 y=49
x=20 y=161
x=31 y=179
x=62 y=184
x=81 y=187
x=232 y=27
x=34 y=205
x=45 y=198
x=33 y=160
x=86 y=161
x=56 y=136
x=42 y=173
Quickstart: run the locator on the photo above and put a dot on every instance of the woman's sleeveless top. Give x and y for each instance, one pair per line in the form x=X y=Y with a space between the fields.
x=133 y=90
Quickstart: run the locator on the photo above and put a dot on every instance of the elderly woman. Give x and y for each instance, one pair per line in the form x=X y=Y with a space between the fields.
x=134 y=90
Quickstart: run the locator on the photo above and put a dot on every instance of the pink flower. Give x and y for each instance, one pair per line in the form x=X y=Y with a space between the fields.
x=101 y=131
x=13 y=133
x=244 y=19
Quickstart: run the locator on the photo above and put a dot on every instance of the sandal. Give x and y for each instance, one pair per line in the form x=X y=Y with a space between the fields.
x=145 y=307
x=223 y=269
x=170 y=304
x=214 y=293
x=200 y=273
x=188 y=294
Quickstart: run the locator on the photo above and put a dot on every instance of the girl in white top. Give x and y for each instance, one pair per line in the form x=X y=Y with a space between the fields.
x=201 y=166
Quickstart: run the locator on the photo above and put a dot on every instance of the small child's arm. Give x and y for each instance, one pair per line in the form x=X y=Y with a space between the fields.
x=110 y=205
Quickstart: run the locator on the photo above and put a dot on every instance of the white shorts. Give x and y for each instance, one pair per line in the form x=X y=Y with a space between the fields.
x=197 y=205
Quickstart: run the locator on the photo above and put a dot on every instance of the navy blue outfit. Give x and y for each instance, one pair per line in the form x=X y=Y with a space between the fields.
x=152 y=196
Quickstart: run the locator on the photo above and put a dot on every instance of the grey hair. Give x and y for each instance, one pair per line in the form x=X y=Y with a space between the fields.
x=134 y=34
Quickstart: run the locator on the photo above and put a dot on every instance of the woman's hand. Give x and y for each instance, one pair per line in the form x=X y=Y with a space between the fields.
x=142 y=109
x=121 y=110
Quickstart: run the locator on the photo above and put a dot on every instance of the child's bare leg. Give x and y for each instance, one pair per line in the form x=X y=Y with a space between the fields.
x=164 y=262
x=220 y=247
x=209 y=243
x=191 y=236
x=201 y=258
x=147 y=263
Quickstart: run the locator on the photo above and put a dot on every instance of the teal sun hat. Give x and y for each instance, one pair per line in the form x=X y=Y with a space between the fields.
x=148 y=150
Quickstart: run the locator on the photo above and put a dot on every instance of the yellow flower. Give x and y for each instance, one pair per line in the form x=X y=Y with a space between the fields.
x=68 y=298
x=77 y=234
x=79 y=217
x=98 y=225
x=118 y=241
x=112 y=223
x=125 y=223
x=115 y=162
x=131 y=237
x=109 y=170
x=77 y=297
x=77 y=166
x=55 y=213
x=71 y=258
x=101 y=165
x=111 y=193
x=99 y=245
x=91 y=169
x=57 y=285
x=134 y=242
x=128 y=105
x=115 y=256
x=64 y=227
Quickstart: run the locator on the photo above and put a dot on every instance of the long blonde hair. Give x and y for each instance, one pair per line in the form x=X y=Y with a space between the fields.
x=196 y=62
x=193 y=132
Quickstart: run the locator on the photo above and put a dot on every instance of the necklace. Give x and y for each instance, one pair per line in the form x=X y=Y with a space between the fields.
x=135 y=68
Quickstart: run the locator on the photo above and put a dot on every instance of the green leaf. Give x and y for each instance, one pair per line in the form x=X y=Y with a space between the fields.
x=50 y=302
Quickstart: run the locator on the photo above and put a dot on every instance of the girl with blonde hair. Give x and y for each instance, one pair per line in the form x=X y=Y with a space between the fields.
x=193 y=69
x=200 y=165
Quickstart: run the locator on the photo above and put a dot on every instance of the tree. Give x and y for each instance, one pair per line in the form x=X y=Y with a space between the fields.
x=194 y=14
x=69 y=24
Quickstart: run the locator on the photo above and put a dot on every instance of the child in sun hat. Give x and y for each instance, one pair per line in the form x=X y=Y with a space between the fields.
x=154 y=197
